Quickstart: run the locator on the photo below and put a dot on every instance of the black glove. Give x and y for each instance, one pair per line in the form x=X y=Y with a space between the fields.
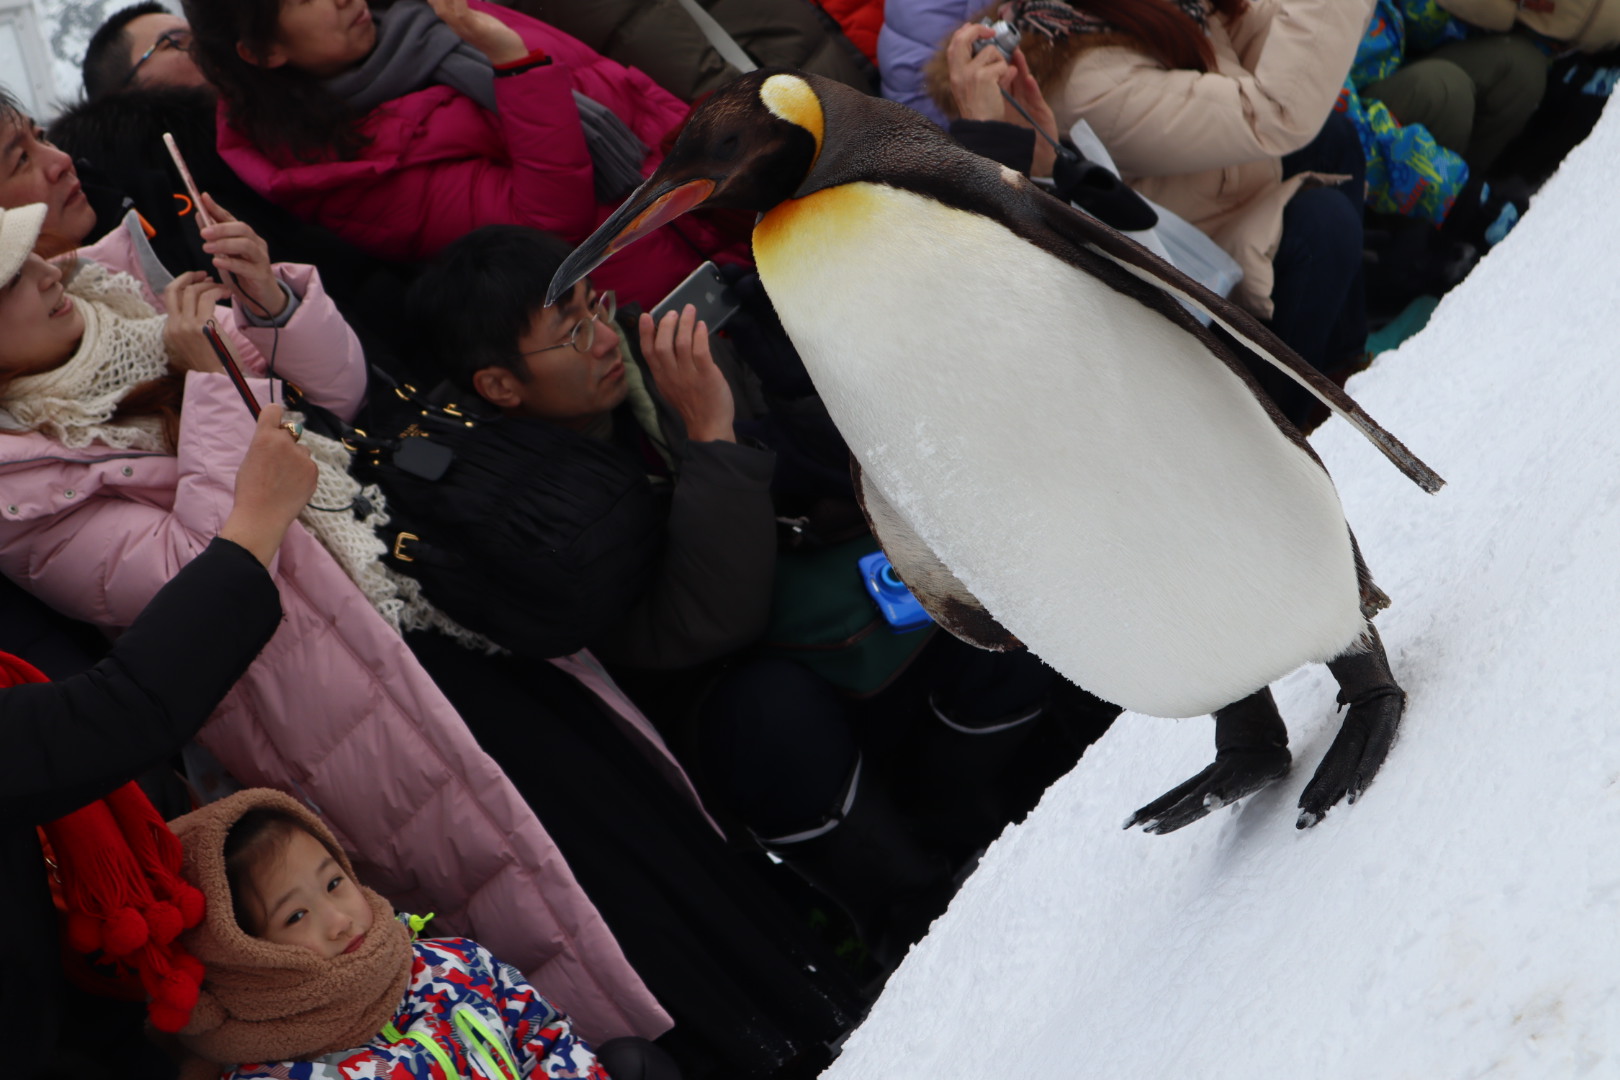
x=1099 y=192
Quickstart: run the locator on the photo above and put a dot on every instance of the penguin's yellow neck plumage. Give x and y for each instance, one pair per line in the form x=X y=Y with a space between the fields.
x=790 y=98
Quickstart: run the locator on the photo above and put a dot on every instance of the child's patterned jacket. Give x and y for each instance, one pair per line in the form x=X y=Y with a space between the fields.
x=465 y=1014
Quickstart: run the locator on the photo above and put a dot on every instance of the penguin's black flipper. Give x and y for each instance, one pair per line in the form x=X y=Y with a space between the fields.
x=1376 y=705
x=1251 y=750
x=930 y=581
x=1093 y=236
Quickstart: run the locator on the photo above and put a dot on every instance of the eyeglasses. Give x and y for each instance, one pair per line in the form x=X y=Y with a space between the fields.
x=178 y=39
x=583 y=336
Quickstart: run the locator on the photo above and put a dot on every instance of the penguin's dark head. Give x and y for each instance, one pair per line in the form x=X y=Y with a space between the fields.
x=748 y=147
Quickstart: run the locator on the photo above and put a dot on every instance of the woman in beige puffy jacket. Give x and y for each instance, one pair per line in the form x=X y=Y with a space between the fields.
x=1222 y=111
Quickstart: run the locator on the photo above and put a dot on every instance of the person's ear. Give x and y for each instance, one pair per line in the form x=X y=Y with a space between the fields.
x=273 y=57
x=498 y=386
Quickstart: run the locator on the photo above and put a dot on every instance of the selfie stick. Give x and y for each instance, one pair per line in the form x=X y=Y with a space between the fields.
x=229 y=362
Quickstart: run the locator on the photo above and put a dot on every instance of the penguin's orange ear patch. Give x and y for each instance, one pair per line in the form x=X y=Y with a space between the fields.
x=790 y=98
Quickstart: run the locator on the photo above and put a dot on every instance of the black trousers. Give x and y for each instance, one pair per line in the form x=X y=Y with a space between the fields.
x=709 y=935
x=777 y=743
x=1319 y=294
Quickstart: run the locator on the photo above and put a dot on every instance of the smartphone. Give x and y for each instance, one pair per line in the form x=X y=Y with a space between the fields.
x=223 y=351
x=204 y=219
x=705 y=290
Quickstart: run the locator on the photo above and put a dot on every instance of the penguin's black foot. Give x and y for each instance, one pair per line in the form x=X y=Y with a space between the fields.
x=1251 y=750
x=1376 y=703
x=1232 y=776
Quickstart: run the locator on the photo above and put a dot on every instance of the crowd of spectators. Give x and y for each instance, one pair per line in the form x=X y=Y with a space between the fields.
x=555 y=684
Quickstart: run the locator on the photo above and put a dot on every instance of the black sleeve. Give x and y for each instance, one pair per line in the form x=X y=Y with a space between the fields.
x=712 y=591
x=1008 y=144
x=70 y=742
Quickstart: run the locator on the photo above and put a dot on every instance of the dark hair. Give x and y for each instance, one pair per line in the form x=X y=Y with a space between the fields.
x=280 y=110
x=159 y=397
x=10 y=108
x=477 y=298
x=121 y=135
x=107 y=62
x=257 y=835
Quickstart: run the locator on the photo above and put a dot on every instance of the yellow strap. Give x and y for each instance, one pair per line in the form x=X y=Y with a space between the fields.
x=469 y=1023
x=439 y=1053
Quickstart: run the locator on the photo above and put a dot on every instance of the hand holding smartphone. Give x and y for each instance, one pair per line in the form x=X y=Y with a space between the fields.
x=215 y=342
x=243 y=249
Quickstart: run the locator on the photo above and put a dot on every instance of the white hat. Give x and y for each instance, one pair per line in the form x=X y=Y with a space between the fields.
x=19 y=228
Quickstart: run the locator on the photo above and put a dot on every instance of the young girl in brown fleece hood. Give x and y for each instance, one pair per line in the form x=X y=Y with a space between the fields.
x=310 y=975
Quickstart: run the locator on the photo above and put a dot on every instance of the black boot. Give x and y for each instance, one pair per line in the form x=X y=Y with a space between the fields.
x=956 y=775
x=865 y=856
x=973 y=723
x=1376 y=704
x=1251 y=750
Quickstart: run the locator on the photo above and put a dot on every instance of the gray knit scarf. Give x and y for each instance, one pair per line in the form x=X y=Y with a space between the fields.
x=415 y=49
x=1053 y=19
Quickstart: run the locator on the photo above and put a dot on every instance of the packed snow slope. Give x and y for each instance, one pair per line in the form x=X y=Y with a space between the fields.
x=1463 y=919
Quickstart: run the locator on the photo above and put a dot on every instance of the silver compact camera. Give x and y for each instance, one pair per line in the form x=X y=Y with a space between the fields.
x=1006 y=39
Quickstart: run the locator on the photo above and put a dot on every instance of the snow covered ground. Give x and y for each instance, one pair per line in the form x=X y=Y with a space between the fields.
x=1463 y=920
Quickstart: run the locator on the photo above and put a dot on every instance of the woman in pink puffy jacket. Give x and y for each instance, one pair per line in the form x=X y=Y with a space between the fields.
x=403 y=128
x=120 y=438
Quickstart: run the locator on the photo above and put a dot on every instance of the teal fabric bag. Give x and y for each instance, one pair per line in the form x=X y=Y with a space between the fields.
x=823 y=617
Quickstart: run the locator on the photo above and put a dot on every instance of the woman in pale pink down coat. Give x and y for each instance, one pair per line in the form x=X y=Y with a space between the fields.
x=402 y=177
x=336 y=694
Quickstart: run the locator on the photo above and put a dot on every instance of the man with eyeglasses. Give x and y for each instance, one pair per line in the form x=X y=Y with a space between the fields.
x=141 y=46
x=656 y=394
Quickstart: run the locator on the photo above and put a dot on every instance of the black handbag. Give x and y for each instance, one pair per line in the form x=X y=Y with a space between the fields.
x=538 y=537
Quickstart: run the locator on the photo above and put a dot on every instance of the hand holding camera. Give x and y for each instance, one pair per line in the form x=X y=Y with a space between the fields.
x=1004 y=35
x=977 y=73
x=991 y=84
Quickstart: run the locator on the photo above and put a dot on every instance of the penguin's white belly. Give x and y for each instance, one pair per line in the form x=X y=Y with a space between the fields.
x=1106 y=487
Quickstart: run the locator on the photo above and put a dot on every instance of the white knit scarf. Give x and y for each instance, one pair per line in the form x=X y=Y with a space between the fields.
x=122 y=348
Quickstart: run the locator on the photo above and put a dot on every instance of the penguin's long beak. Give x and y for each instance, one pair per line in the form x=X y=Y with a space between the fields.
x=656 y=201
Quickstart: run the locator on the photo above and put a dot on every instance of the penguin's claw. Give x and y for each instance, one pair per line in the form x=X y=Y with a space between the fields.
x=1233 y=774
x=1357 y=753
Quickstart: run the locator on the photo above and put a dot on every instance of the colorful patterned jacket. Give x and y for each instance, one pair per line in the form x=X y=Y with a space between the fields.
x=465 y=1014
x=1407 y=171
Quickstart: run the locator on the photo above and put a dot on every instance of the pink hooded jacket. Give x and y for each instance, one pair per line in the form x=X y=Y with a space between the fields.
x=439 y=165
x=336 y=709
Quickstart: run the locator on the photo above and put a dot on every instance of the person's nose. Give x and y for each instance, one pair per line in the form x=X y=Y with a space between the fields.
x=340 y=924
x=57 y=163
x=52 y=274
x=607 y=339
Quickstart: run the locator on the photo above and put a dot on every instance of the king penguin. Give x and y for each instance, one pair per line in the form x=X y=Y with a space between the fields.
x=1052 y=451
